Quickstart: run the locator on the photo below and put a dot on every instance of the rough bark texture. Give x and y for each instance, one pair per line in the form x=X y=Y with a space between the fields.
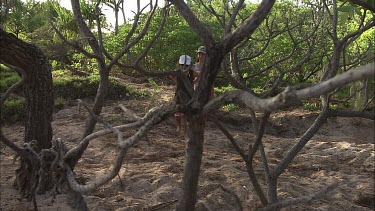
x=37 y=76
x=37 y=86
x=215 y=53
x=194 y=152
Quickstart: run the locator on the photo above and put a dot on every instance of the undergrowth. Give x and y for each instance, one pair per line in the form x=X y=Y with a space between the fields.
x=66 y=88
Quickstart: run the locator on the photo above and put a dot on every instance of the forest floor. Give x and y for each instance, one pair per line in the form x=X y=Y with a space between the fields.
x=150 y=178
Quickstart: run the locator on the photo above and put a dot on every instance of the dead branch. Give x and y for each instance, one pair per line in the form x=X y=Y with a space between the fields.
x=305 y=199
x=21 y=152
x=229 y=136
x=10 y=90
x=81 y=146
x=105 y=123
x=129 y=113
x=159 y=115
x=39 y=163
x=288 y=96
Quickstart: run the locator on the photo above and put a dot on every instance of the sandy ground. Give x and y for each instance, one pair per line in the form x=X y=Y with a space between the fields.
x=150 y=178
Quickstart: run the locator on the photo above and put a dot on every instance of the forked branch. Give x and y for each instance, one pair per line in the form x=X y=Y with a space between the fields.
x=158 y=115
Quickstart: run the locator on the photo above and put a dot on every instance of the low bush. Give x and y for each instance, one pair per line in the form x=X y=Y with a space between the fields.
x=65 y=88
x=13 y=109
x=8 y=78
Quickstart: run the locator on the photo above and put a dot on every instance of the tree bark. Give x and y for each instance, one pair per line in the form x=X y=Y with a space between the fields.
x=37 y=86
x=194 y=152
x=37 y=76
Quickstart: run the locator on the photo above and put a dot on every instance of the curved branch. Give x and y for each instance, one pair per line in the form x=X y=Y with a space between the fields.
x=21 y=152
x=162 y=113
x=85 y=141
x=248 y=26
x=11 y=89
x=288 y=96
x=365 y=4
x=197 y=26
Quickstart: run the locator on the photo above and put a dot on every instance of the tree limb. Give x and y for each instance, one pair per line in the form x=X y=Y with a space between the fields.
x=305 y=199
x=289 y=95
x=365 y=4
x=124 y=145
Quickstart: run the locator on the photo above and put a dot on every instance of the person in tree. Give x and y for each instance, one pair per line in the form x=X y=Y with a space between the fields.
x=182 y=95
x=197 y=67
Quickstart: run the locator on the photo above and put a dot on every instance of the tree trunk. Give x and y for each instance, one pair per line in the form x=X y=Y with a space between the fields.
x=37 y=76
x=194 y=152
x=116 y=18
x=37 y=86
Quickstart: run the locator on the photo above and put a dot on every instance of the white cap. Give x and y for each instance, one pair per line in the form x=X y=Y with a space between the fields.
x=185 y=59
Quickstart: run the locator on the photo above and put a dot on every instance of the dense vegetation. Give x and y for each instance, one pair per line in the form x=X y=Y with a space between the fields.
x=292 y=33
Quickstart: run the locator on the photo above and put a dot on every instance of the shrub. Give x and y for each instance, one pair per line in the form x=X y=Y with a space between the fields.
x=230 y=107
x=65 y=87
x=74 y=87
x=312 y=104
x=59 y=103
x=13 y=109
x=8 y=78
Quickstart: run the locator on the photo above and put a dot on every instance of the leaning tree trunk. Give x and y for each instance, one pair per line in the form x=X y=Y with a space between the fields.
x=36 y=72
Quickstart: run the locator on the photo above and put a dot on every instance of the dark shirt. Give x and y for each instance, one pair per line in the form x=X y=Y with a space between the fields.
x=182 y=95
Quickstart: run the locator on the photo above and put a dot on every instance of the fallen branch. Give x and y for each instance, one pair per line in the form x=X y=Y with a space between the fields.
x=129 y=113
x=305 y=199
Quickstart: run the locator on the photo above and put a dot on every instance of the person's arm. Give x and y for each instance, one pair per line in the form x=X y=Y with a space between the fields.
x=196 y=74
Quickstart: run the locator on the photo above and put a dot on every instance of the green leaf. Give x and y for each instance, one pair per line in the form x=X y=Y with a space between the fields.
x=346 y=8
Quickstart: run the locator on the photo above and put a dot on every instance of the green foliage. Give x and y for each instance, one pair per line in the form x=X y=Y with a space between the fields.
x=24 y=17
x=153 y=83
x=176 y=39
x=223 y=89
x=311 y=105
x=28 y=20
x=59 y=103
x=343 y=93
x=8 y=78
x=82 y=63
x=65 y=87
x=13 y=109
x=74 y=87
x=155 y=88
x=230 y=107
